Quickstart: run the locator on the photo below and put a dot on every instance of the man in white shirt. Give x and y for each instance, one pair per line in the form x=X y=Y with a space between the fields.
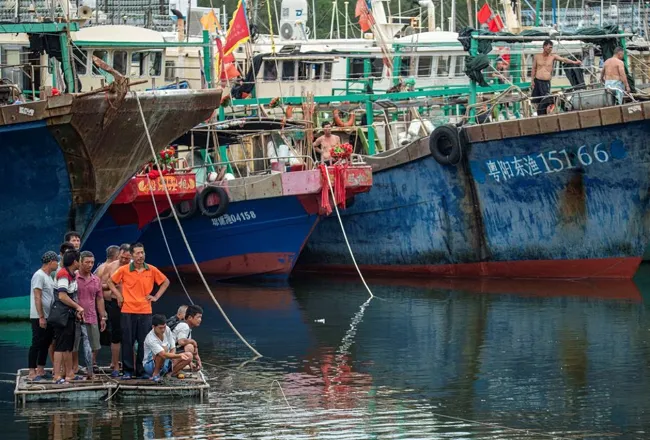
x=160 y=355
x=183 y=333
x=41 y=297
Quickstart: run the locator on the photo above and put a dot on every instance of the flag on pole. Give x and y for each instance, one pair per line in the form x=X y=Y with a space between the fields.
x=210 y=22
x=484 y=14
x=238 y=32
x=219 y=58
x=495 y=24
x=363 y=13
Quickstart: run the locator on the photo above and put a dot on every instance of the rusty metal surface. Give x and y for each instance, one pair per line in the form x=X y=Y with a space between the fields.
x=116 y=151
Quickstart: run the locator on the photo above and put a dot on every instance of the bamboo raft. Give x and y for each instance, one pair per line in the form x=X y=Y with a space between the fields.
x=105 y=388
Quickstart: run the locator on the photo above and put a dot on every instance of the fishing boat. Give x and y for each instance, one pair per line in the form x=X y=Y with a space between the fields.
x=138 y=204
x=558 y=196
x=256 y=225
x=66 y=155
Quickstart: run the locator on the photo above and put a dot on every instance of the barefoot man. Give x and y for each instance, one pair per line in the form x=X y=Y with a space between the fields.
x=324 y=144
x=613 y=75
x=104 y=272
x=542 y=73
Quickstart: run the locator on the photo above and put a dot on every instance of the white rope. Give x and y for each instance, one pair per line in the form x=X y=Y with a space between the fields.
x=180 y=228
x=162 y=231
x=345 y=236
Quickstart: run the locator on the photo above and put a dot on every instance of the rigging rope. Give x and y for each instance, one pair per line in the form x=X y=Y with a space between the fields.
x=180 y=228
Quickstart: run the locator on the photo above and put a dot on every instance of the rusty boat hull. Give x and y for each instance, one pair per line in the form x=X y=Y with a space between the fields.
x=66 y=158
x=562 y=196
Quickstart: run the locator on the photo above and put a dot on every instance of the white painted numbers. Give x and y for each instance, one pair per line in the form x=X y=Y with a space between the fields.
x=231 y=219
x=552 y=161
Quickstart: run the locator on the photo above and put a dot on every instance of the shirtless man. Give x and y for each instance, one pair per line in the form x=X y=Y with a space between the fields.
x=104 y=272
x=324 y=144
x=542 y=73
x=613 y=75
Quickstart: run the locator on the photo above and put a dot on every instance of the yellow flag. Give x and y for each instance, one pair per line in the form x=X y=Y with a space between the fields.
x=210 y=22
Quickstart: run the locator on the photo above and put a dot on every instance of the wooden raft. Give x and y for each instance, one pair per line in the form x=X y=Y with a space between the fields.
x=106 y=388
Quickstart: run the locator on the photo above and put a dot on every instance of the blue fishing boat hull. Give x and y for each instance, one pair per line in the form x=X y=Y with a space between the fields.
x=64 y=160
x=108 y=233
x=259 y=238
x=565 y=204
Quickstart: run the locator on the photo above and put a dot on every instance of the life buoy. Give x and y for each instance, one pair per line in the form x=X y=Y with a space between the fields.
x=222 y=207
x=339 y=122
x=445 y=145
x=191 y=208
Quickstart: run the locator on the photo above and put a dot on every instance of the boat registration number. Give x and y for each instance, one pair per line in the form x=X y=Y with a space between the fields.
x=229 y=219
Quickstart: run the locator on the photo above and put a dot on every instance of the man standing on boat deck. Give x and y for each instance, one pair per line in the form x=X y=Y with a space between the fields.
x=137 y=280
x=89 y=291
x=112 y=306
x=541 y=75
x=613 y=75
x=324 y=144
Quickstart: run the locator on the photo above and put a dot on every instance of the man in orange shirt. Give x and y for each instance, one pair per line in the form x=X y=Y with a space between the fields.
x=135 y=299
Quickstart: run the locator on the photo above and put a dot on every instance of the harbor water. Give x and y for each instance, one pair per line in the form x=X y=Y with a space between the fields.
x=486 y=359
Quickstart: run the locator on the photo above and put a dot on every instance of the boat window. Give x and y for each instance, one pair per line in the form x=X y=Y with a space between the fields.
x=356 y=68
x=528 y=61
x=138 y=62
x=170 y=71
x=327 y=74
x=80 y=61
x=405 y=66
x=288 y=70
x=155 y=63
x=443 y=66
x=377 y=68
x=318 y=71
x=460 y=66
x=424 y=66
x=102 y=55
x=119 y=61
x=270 y=71
x=303 y=70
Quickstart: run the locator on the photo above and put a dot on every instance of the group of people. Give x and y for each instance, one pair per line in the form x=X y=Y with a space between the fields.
x=71 y=308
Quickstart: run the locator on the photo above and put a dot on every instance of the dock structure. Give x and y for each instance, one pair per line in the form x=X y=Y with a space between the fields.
x=106 y=388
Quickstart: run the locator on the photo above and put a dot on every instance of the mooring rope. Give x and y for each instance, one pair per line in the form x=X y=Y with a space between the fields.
x=162 y=231
x=180 y=228
x=345 y=235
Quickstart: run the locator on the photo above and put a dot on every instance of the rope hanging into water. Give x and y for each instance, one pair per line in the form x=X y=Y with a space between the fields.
x=180 y=228
x=162 y=231
x=345 y=235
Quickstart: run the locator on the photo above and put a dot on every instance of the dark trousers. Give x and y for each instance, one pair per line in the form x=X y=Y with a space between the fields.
x=41 y=340
x=540 y=95
x=135 y=327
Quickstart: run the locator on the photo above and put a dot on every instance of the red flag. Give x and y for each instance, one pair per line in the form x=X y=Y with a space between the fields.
x=365 y=19
x=496 y=24
x=238 y=32
x=219 y=57
x=484 y=14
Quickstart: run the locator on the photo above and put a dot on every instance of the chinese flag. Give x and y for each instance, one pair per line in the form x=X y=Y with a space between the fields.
x=219 y=58
x=484 y=14
x=238 y=32
x=496 y=24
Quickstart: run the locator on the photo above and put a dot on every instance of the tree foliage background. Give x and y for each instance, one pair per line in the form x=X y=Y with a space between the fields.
x=324 y=10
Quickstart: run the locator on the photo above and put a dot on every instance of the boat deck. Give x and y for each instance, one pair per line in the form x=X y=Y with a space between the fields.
x=104 y=387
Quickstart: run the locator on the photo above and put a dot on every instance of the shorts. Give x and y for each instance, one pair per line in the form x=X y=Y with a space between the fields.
x=150 y=365
x=114 y=321
x=617 y=87
x=64 y=336
x=93 y=337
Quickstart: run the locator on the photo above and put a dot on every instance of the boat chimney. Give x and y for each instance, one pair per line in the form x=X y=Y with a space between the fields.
x=431 y=13
x=180 y=24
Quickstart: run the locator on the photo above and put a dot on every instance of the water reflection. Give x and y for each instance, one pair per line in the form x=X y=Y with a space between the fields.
x=485 y=359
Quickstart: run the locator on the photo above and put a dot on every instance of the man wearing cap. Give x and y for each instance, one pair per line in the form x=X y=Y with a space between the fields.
x=41 y=297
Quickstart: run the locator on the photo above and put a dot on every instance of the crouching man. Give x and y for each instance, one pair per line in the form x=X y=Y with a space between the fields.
x=183 y=334
x=160 y=355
